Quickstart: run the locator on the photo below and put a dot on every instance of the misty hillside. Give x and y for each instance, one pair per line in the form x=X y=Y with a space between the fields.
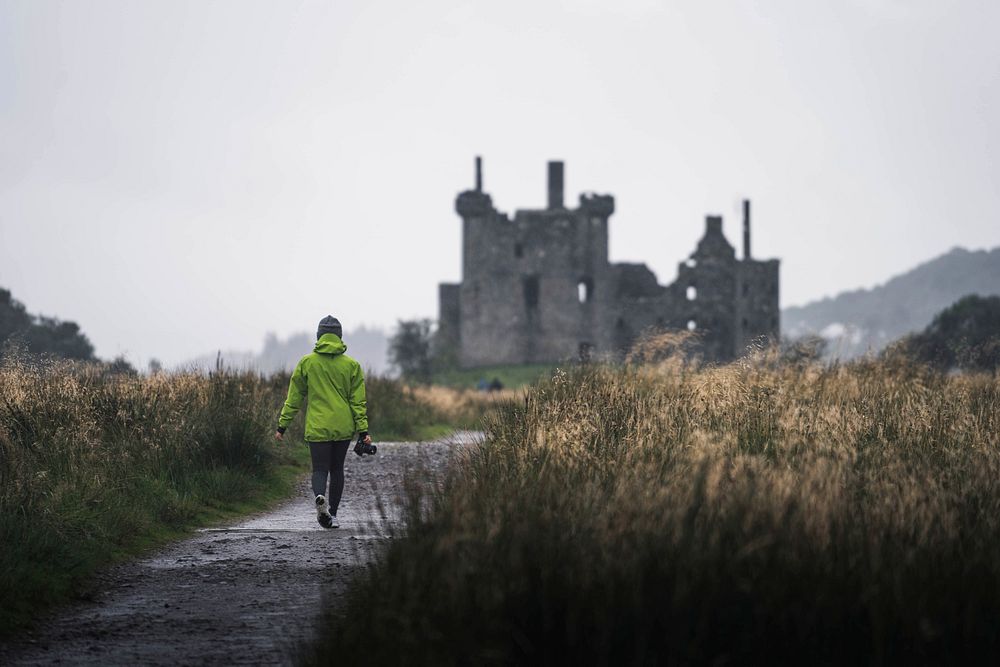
x=368 y=345
x=861 y=320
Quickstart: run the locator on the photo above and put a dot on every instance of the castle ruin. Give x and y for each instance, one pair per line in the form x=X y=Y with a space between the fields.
x=539 y=288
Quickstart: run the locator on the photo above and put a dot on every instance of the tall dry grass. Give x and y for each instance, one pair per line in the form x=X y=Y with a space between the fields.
x=665 y=513
x=95 y=465
x=460 y=408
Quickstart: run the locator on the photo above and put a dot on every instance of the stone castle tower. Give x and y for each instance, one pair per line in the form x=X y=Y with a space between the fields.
x=539 y=288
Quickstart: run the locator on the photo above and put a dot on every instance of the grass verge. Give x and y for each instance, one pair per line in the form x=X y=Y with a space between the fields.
x=95 y=468
x=670 y=514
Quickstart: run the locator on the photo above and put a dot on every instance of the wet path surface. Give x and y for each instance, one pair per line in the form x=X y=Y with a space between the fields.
x=245 y=594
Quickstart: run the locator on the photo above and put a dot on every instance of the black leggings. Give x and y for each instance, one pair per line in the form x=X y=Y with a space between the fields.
x=328 y=459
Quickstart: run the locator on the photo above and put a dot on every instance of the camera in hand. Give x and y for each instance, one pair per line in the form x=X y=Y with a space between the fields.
x=361 y=448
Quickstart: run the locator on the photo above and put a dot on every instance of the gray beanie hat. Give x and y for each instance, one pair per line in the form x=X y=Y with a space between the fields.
x=329 y=324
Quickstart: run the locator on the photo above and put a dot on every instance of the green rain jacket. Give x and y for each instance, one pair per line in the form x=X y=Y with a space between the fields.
x=335 y=386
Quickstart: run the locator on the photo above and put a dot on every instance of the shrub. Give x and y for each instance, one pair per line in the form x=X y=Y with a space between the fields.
x=410 y=349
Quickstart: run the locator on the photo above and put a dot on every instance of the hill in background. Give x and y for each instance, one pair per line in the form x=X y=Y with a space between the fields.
x=868 y=319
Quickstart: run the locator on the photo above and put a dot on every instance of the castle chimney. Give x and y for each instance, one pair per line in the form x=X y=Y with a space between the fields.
x=746 y=229
x=555 y=184
x=479 y=174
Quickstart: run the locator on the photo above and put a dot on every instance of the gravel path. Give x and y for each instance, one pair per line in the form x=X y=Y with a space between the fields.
x=245 y=594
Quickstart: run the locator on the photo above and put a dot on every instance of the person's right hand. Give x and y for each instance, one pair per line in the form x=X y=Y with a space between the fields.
x=278 y=435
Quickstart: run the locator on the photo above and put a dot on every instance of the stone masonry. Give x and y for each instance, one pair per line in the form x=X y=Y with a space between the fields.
x=539 y=288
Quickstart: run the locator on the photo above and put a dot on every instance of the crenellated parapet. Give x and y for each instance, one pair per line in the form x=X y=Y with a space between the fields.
x=597 y=205
x=473 y=204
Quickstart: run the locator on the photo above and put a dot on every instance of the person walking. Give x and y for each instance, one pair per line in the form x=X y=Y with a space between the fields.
x=338 y=408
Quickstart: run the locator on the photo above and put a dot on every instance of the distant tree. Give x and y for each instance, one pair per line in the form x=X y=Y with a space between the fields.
x=120 y=366
x=41 y=335
x=444 y=349
x=61 y=339
x=13 y=317
x=155 y=366
x=965 y=335
x=410 y=349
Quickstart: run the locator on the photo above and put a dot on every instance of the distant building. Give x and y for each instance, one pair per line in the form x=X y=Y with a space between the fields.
x=539 y=288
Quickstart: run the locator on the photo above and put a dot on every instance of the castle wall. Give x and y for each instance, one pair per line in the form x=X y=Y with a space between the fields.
x=707 y=282
x=521 y=293
x=758 y=313
x=489 y=295
x=449 y=310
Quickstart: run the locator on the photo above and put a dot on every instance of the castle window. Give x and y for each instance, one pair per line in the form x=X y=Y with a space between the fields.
x=518 y=250
x=746 y=289
x=585 y=290
x=692 y=325
x=746 y=324
x=692 y=293
x=531 y=292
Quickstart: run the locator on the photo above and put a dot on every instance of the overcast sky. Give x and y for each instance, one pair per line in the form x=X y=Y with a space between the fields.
x=179 y=177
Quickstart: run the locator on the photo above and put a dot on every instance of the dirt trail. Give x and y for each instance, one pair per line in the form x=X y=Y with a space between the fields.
x=244 y=594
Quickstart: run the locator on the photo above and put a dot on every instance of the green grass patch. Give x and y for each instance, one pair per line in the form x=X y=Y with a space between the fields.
x=425 y=433
x=46 y=560
x=512 y=377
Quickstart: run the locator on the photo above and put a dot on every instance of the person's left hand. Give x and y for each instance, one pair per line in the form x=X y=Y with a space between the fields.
x=278 y=435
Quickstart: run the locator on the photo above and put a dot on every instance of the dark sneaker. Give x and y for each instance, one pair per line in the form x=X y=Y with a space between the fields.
x=323 y=513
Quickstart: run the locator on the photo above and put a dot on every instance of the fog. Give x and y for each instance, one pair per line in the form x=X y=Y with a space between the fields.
x=182 y=177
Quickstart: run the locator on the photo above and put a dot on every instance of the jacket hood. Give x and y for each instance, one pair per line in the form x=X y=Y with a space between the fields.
x=330 y=343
